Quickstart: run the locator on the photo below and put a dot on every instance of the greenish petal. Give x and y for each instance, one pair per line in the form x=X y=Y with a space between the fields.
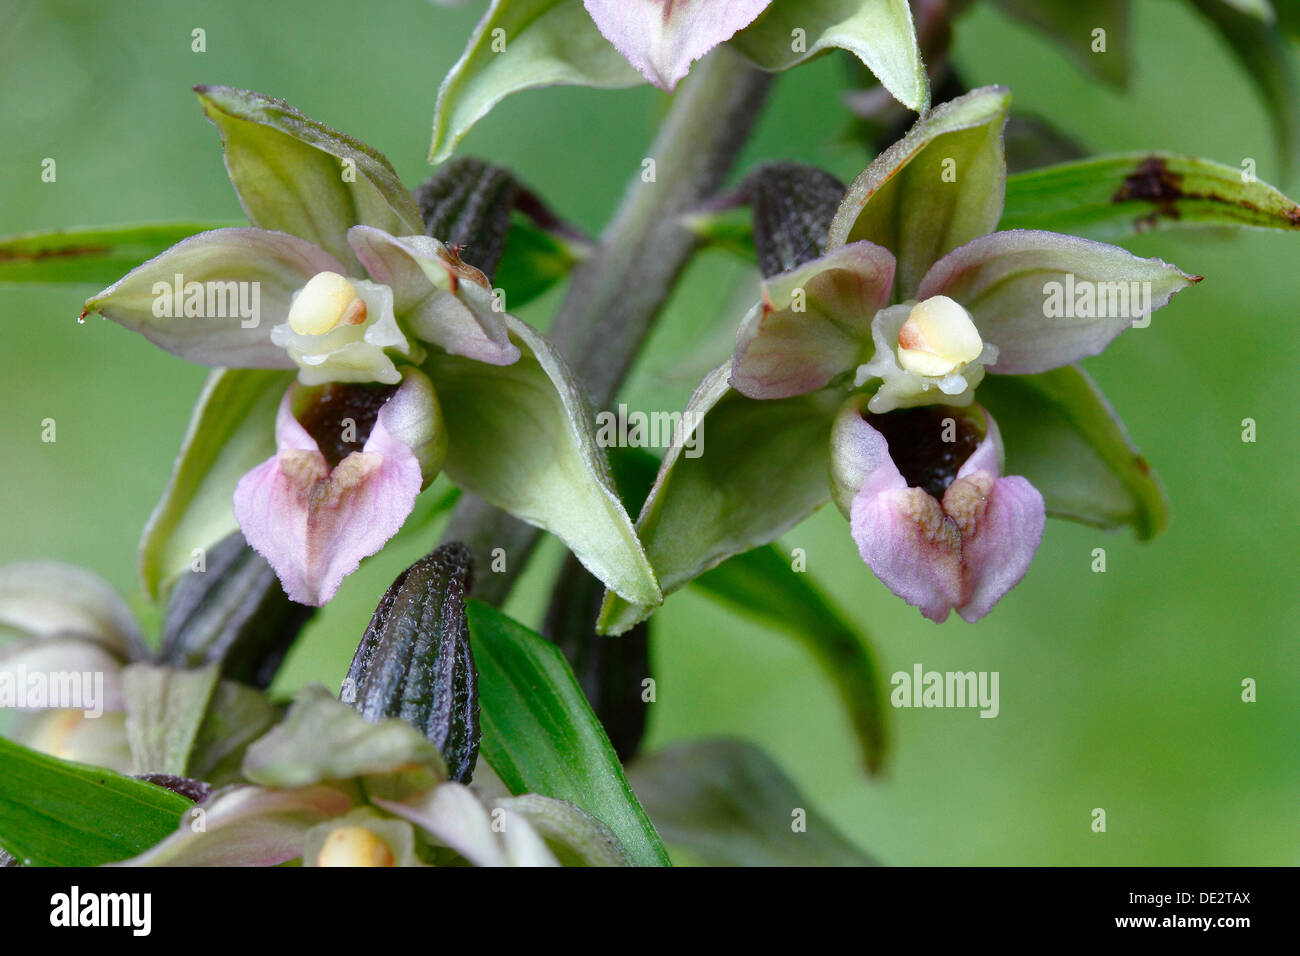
x=519 y=45
x=523 y=437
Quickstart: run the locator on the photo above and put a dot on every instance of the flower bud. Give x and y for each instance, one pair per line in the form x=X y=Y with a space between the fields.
x=466 y=205
x=327 y=301
x=793 y=207
x=415 y=663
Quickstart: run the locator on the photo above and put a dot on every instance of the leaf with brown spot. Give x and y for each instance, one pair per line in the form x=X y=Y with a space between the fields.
x=1114 y=196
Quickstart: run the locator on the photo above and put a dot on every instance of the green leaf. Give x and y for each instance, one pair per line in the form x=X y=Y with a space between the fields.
x=1062 y=434
x=231 y=430
x=522 y=437
x=547 y=42
x=55 y=813
x=937 y=188
x=877 y=32
x=728 y=804
x=165 y=707
x=1114 y=196
x=759 y=467
x=296 y=175
x=1071 y=23
x=94 y=254
x=540 y=735
x=762 y=584
x=1268 y=58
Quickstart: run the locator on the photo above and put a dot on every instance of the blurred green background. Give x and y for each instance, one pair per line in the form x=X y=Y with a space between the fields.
x=1118 y=690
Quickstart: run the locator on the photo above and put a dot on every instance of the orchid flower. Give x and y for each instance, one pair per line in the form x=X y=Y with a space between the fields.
x=404 y=356
x=864 y=363
x=322 y=503
x=332 y=789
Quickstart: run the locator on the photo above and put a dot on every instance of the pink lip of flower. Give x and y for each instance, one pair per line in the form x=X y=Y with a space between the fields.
x=314 y=523
x=662 y=38
x=962 y=551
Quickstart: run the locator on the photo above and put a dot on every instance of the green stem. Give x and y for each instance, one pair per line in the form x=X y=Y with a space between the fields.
x=615 y=295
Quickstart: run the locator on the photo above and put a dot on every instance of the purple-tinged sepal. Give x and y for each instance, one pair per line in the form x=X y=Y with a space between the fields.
x=812 y=324
x=442 y=299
